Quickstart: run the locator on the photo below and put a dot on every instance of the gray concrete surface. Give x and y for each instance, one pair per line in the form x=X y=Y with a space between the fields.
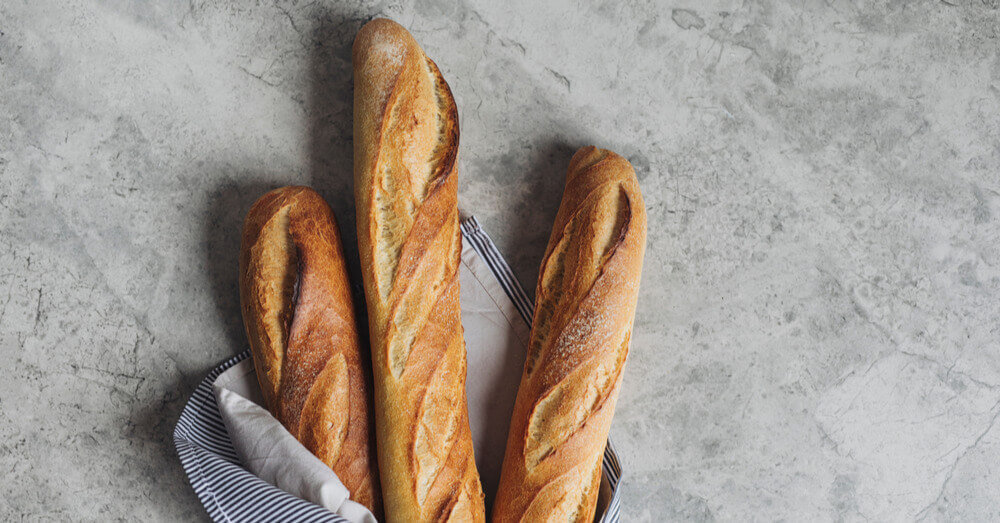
x=817 y=335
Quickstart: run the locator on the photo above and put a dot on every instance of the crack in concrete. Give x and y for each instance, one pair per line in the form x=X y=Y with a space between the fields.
x=288 y=15
x=924 y=512
x=257 y=76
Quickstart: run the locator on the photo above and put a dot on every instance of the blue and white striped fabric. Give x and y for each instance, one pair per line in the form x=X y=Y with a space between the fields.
x=230 y=493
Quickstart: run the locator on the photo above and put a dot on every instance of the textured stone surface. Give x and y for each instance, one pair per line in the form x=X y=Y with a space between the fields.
x=817 y=334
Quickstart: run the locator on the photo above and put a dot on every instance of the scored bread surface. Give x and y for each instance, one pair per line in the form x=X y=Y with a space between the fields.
x=584 y=307
x=405 y=146
x=299 y=317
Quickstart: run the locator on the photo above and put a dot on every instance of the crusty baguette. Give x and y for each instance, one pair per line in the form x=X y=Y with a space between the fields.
x=584 y=304
x=405 y=143
x=299 y=318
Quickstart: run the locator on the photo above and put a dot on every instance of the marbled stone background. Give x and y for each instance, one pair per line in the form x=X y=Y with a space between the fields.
x=817 y=335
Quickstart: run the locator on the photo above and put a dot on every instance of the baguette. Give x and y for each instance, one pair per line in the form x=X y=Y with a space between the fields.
x=299 y=319
x=405 y=145
x=584 y=306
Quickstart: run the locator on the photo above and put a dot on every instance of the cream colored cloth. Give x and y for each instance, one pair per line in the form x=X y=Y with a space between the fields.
x=496 y=338
x=268 y=450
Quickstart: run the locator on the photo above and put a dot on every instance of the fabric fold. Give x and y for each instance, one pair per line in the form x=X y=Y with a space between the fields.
x=268 y=450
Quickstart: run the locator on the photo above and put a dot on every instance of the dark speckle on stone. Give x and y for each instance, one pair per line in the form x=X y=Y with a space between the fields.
x=842 y=497
x=687 y=19
x=981 y=212
x=640 y=163
x=967 y=275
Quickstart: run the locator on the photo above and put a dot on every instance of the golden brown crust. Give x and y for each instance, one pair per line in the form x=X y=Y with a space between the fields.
x=405 y=145
x=299 y=318
x=584 y=306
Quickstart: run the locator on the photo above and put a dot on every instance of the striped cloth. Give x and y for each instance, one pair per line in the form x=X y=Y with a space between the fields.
x=230 y=493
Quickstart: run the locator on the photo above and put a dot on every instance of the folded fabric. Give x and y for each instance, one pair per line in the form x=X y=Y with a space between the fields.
x=496 y=316
x=268 y=450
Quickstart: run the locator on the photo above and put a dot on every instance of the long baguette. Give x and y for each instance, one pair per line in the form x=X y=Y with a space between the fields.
x=299 y=320
x=584 y=305
x=405 y=144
